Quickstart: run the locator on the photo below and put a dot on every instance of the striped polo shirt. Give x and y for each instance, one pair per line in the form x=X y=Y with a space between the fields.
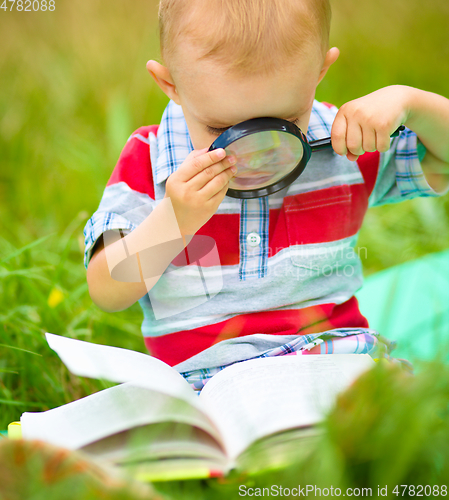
x=285 y=264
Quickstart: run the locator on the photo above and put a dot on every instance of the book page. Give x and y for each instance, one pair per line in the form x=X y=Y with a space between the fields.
x=116 y=364
x=110 y=411
x=156 y=442
x=258 y=397
x=279 y=450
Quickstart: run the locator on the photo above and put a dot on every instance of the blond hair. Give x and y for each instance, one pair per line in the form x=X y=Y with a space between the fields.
x=246 y=36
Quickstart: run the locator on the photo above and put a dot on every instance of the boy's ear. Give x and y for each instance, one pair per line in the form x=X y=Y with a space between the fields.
x=163 y=78
x=331 y=56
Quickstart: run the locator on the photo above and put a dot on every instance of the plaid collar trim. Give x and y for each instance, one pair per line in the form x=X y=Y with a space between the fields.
x=174 y=143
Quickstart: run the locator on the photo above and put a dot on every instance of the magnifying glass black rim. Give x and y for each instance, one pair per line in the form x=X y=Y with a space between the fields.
x=251 y=126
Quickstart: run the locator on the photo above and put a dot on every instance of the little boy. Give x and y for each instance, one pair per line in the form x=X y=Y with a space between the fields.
x=286 y=262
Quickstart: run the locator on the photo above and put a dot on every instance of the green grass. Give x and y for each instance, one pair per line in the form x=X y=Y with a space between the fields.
x=73 y=87
x=388 y=429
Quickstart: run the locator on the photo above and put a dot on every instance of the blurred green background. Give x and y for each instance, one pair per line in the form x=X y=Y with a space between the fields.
x=73 y=88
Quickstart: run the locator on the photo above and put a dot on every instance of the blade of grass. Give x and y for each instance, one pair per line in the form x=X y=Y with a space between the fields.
x=20 y=349
x=26 y=247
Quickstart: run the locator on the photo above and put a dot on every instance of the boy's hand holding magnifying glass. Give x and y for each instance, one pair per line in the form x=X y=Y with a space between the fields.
x=365 y=124
x=198 y=187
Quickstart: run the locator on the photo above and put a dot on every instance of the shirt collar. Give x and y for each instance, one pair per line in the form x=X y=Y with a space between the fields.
x=174 y=143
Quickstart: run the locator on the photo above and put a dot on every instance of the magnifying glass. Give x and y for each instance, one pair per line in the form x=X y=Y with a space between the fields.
x=271 y=153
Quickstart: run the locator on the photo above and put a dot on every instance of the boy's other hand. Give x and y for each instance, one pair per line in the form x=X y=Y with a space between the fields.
x=366 y=124
x=198 y=187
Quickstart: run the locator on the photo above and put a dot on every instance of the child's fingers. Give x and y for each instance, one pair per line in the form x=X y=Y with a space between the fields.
x=217 y=186
x=369 y=139
x=351 y=157
x=382 y=141
x=338 y=134
x=200 y=163
x=211 y=180
x=197 y=152
x=217 y=198
x=354 y=138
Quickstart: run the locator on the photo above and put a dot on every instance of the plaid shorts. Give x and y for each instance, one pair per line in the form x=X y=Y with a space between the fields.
x=338 y=341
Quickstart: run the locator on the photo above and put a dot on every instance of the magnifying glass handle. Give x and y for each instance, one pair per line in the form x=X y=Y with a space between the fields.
x=326 y=143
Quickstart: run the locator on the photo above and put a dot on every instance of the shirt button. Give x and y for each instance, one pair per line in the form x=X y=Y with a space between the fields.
x=253 y=239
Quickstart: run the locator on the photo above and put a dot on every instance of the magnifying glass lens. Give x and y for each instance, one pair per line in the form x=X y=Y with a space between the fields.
x=271 y=153
x=263 y=158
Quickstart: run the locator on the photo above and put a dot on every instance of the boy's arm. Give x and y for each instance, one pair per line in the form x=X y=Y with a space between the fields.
x=429 y=119
x=124 y=269
x=112 y=295
x=107 y=293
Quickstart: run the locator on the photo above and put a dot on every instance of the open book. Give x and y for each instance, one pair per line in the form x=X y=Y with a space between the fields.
x=252 y=415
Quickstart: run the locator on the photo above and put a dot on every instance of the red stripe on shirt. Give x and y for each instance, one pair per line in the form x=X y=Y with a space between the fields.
x=316 y=217
x=176 y=347
x=369 y=167
x=324 y=215
x=134 y=164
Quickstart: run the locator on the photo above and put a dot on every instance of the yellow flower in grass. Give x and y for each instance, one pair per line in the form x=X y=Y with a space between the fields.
x=56 y=297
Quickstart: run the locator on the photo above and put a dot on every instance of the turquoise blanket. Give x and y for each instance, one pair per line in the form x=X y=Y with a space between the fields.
x=409 y=303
